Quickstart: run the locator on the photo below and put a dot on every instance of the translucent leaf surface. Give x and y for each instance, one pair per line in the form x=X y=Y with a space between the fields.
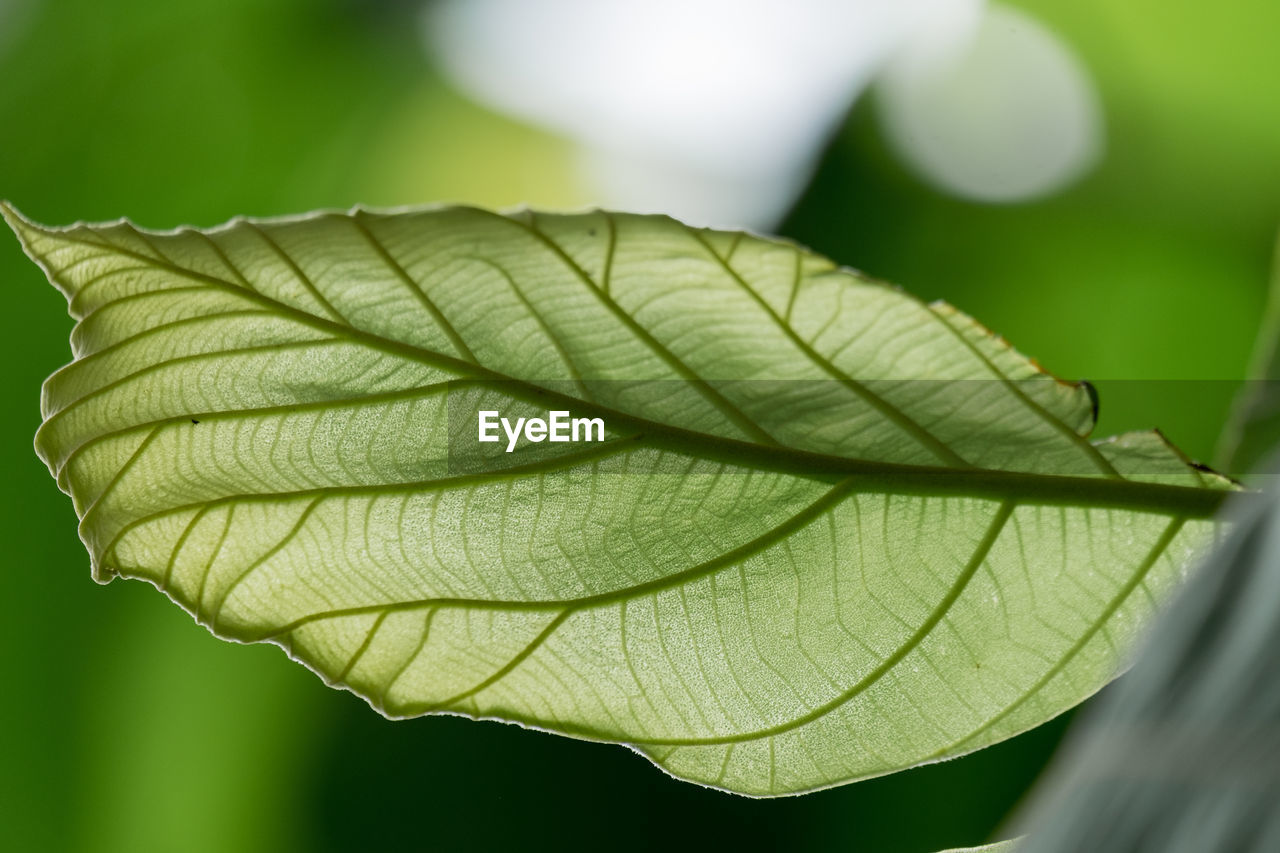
x=831 y=532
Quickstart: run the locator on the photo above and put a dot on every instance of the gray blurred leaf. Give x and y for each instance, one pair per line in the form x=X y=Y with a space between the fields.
x=1184 y=755
x=998 y=847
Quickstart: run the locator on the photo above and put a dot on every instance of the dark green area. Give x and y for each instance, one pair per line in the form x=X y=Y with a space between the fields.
x=128 y=728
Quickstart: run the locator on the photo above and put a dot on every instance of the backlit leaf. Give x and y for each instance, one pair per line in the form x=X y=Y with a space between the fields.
x=831 y=532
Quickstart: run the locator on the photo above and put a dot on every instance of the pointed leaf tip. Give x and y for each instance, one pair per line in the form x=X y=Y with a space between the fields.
x=11 y=215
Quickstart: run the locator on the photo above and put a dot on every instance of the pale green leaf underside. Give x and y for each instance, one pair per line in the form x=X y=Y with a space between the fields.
x=793 y=564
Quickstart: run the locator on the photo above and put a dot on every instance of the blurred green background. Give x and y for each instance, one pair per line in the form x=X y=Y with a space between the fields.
x=128 y=728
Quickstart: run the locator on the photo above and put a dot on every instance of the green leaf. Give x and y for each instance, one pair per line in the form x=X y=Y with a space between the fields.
x=833 y=532
x=1253 y=429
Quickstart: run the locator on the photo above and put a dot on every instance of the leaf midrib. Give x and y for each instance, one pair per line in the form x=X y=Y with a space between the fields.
x=898 y=478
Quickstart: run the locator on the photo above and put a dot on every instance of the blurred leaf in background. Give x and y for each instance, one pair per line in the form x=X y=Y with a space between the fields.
x=128 y=728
